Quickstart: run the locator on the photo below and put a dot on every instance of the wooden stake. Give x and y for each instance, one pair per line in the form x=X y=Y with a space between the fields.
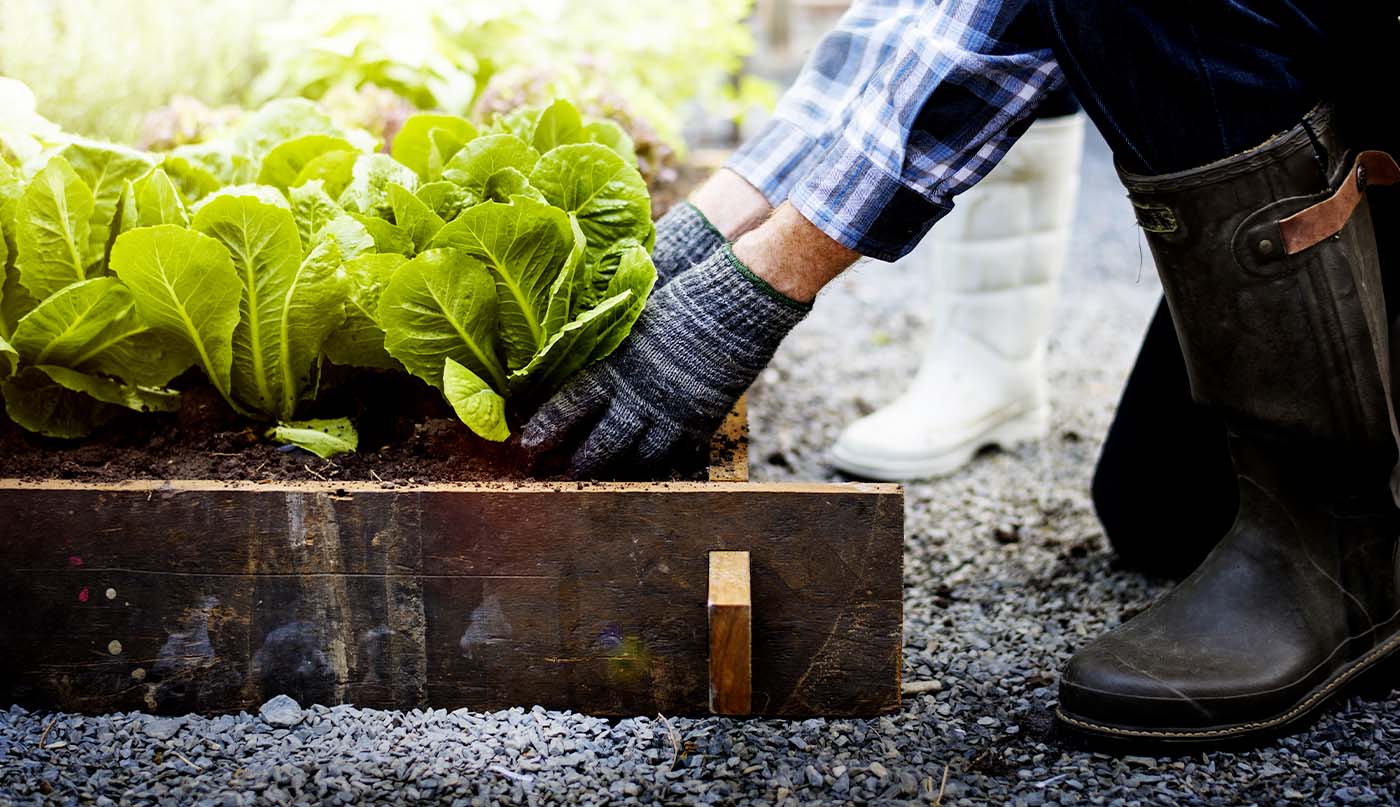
x=731 y=619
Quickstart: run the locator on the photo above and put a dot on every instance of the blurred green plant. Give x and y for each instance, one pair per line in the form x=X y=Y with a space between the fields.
x=451 y=54
x=97 y=66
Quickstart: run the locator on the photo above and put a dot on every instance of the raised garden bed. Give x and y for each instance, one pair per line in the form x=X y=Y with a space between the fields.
x=178 y=595
x=388 y=319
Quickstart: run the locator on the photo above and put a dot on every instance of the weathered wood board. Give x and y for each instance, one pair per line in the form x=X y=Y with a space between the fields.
x=203 y=596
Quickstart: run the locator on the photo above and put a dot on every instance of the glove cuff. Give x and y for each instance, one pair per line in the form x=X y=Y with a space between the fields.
x=684 y=237
x=762 y=285
x=724 y=298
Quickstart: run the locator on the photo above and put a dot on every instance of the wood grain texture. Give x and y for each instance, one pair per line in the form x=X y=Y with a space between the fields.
x=731 y=631
x=206 y=596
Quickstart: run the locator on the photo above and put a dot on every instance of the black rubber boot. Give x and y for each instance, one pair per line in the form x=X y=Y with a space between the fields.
x=1283 y=328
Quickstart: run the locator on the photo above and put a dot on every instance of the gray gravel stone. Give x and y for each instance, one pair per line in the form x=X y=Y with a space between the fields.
x=281 y=711
x=159 y=728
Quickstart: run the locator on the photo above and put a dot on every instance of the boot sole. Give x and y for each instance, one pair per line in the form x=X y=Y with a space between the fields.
x=1022 y=428
x=1306 y=709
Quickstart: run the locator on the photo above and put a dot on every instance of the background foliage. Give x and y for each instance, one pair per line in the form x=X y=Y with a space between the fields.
x=99 y=66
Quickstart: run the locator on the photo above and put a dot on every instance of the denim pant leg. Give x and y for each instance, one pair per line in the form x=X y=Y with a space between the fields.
x=1174 y=85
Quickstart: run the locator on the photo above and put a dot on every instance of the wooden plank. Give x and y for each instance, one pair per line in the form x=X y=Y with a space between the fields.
x=204 y=596
x=731 y=644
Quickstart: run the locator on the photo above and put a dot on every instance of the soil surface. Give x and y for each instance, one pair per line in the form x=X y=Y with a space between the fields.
x=408 y=435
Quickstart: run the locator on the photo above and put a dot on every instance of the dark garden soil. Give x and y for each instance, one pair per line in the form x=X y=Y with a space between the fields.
x=408 y=435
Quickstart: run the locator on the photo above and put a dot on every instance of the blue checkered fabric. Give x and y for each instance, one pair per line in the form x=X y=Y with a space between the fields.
x=901 y=107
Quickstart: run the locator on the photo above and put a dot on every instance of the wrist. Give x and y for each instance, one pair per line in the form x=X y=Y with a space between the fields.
x=792 y=256
x=730 y=204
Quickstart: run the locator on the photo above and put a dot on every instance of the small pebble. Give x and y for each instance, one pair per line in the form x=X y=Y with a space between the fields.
x=282 y=711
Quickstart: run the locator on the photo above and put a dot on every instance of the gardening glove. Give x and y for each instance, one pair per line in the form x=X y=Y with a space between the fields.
x=684 y=237
x=697 y=347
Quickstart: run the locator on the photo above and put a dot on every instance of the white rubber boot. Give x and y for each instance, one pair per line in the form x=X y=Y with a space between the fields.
x=997 y=260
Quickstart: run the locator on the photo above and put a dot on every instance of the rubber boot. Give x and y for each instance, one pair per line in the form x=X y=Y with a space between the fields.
x=1282 y=325
x=997 y=260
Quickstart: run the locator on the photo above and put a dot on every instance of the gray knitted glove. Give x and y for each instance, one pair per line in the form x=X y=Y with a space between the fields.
x=684 y=237
x=697 y=347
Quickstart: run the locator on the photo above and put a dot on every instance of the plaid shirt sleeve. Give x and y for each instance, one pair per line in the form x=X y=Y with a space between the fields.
x=812 y=112
x=952 y=87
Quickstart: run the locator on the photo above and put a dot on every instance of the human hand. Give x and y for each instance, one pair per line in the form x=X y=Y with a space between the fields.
x=700 y=343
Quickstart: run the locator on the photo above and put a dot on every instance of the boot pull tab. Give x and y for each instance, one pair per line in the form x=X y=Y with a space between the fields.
x=1315 y=224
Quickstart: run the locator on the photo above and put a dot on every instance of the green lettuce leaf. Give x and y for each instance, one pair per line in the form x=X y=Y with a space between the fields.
x=426 y=142
x=6 y=222
x=184 y=284
x=387 y=237
x=445 y=199
x=524 y=244
x=471 y=167
x=15 y=300
x=414 y=217
x=93 y=327
x=9 y=358
x=53 y=224
x=479 y=406
x=559 y=124
x=36 y=402
x=128 y=396
x=283 y=165
x=614 y=137
x=278 y=121
x=442 y=305
x=359 y=342
x=105 y=169
x=571 y=349
x=349 y=235
x=312 y=209
x=370 y=179
x=158 y=201
x=595 y=280
x=508 y=183
x=595 y=333
x=318 y=217
x=266 y=194
x=324 y=438
x=289 y=304
x=519 y=122
x=635 y=273
x=200 y=169
x=57 y=402
x=607 y=195
x=334 y=169
x=564 y=294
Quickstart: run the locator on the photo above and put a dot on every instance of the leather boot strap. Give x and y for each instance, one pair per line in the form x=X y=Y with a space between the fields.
x=1313 y=225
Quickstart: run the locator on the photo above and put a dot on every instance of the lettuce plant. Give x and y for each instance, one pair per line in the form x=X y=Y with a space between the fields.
x=492 y=265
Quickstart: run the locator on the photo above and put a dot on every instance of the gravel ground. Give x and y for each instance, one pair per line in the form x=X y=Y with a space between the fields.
x=1006 y=574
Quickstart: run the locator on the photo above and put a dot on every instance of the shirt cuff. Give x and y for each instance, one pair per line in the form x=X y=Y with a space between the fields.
x=774 y=159
x=863 y=208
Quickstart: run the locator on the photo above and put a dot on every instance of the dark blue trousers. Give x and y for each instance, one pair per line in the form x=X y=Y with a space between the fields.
x=1177 y=84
